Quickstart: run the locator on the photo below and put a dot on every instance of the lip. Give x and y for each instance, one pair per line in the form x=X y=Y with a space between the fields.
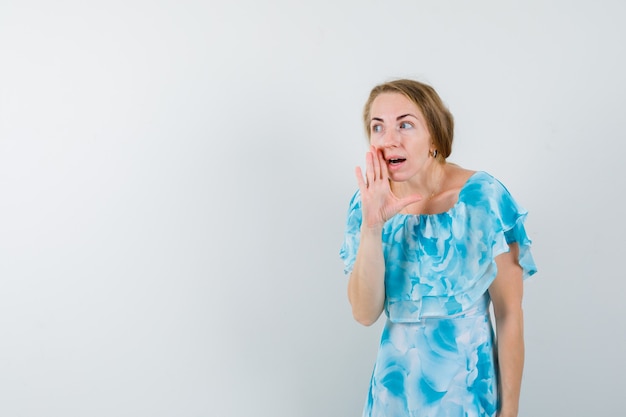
x=395 y=166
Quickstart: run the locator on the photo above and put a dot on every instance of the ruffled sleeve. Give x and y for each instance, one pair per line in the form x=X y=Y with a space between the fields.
x=509 y=219
x=352 y=233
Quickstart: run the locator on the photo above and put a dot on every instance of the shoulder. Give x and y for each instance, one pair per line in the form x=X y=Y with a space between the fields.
x=482 y=187
x=354 y=215
x=485 y=194
x=355 y=201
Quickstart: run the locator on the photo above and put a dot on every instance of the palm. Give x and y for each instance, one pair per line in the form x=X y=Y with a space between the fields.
x=379 y=203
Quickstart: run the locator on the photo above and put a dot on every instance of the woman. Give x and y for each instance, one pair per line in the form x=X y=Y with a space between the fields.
x=432 y=245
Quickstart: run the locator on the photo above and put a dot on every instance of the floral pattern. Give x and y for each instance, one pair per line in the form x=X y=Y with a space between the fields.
x=436 y=355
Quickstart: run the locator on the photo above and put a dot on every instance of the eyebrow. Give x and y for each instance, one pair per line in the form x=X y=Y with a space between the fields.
x=397 y=118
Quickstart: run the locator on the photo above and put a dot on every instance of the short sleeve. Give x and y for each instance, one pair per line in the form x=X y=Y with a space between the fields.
x=352 y=233
x=510 y=218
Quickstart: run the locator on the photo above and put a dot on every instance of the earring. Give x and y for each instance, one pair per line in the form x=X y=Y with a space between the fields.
x=434 y=153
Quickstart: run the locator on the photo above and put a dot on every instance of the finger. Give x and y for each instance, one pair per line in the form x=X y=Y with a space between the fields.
x=402 y=203
x=369 y=168
x=408 y=200
x=376 y=160
x=359 y=179
x=413 y=198
x=384 y=170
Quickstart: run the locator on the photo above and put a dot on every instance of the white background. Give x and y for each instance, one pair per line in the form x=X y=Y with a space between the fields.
x=174 y=179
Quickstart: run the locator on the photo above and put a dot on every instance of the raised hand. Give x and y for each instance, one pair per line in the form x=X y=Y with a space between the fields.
x=378 y=202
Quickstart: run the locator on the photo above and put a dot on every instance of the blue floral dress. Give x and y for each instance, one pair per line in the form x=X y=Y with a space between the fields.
x=437 y=351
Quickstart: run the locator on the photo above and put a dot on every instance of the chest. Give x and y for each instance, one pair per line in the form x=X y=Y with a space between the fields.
x=432 y=254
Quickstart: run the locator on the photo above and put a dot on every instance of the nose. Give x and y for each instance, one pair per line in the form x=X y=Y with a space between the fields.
x=389 y=138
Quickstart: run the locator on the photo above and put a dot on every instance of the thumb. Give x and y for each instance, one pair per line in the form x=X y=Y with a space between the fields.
x=406 y=201
x=410 y=199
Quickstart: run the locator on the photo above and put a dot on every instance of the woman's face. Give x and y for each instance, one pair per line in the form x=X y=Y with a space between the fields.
x=398 y=129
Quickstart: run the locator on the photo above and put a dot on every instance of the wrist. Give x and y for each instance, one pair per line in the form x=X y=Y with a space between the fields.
x=371 y=231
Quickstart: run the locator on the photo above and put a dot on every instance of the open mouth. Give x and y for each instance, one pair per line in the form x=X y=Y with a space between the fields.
x=396 y=161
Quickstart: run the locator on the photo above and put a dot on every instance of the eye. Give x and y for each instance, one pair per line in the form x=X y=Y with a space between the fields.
x=406 y=125
x=377 y=128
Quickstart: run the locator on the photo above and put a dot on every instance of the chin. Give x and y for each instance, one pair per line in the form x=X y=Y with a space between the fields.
x=397 y=178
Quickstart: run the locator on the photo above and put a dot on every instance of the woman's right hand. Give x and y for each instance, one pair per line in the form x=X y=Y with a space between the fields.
x=378 y=202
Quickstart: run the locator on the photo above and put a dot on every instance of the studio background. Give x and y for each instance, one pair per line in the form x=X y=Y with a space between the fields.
x=175 y=175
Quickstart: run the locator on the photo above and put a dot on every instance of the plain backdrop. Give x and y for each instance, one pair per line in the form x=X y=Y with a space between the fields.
x=175 y=175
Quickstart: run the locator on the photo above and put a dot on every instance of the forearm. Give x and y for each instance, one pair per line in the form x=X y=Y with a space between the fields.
x=366 y=288
x=510 y=331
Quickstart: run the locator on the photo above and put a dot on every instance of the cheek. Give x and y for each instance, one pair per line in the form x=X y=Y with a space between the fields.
x=374 y=139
